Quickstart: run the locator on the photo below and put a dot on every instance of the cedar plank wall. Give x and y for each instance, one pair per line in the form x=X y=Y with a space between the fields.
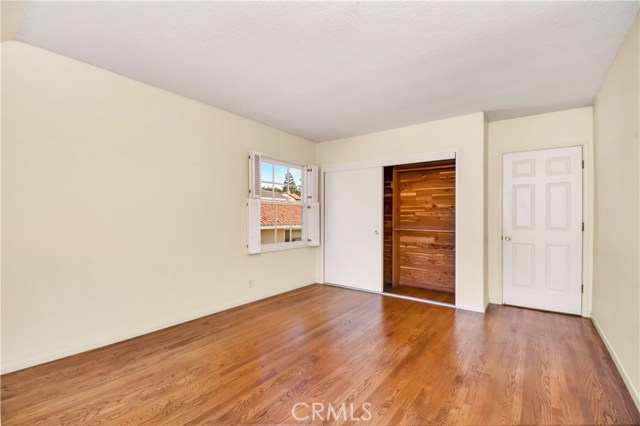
x=388 y=225
x=423 y=251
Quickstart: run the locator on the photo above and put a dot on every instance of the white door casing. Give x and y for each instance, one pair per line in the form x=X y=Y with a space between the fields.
x=353 y=208
x=542 y=229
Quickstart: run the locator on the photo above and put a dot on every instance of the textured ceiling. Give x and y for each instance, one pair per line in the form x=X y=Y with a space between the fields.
x=326 y=70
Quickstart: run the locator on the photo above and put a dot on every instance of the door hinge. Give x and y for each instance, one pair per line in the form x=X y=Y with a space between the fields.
x=583 y=164
x=582 y=288
x=583 y=226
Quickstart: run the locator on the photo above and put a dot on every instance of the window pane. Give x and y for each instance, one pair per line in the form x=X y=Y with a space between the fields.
x=278 y=193
x=280 y=172
x=296 y=223
x=267 y=190
x=283 y=215
x=267 y=236
x=267 y=223
x=266 y=171
x=295 y=183
x=267 y=215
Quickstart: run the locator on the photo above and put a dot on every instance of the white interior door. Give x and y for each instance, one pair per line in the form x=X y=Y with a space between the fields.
x=353 y=204
x=542 y=229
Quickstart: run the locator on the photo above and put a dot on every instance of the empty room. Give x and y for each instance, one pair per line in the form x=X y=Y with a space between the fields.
x=320 y=213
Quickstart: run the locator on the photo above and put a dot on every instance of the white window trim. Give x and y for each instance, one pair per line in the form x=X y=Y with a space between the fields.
x=283 y=246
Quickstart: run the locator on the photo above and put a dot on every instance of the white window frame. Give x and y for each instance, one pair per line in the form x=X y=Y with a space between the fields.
x=310 y=206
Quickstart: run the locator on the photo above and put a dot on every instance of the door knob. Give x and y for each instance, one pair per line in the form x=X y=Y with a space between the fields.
x=376 y=231
x=507 y=238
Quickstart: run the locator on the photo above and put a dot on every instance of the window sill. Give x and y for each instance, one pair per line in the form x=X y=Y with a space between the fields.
x=265 y=248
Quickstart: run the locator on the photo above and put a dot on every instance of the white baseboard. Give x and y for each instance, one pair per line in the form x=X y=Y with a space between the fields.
x=625 y=376
x=473 y=308
x=149 y=328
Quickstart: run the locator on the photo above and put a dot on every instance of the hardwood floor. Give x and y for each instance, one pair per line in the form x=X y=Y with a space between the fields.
x=422 y=293
x=416 y=364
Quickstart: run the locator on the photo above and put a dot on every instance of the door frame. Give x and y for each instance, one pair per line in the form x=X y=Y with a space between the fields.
x=452 y=154
x=587 y=217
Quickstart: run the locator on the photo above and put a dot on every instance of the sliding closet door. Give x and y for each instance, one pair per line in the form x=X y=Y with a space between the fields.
x=353 y=203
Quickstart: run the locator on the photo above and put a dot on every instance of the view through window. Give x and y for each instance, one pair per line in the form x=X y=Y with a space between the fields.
x=281 y=213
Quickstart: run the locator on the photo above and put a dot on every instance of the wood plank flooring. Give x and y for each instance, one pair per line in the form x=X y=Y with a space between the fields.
x=416 y=364
x=422 y=293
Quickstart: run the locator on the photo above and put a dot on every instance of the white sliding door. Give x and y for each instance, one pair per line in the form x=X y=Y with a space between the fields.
x=353 y=206
x=542 y=229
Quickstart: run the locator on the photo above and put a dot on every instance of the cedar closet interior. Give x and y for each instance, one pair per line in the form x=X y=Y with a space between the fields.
x=419 y=230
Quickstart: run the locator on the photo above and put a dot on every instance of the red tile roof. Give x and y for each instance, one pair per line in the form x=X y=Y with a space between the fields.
x=268 y=213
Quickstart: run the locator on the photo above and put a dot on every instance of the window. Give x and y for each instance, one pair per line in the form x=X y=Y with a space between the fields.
x=280 y=203
x=282 y=208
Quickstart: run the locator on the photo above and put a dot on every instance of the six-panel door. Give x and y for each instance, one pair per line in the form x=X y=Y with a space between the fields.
x=542 y=229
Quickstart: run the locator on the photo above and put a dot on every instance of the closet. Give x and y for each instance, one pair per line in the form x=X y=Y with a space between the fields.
x=390 y=228
x=419 y=230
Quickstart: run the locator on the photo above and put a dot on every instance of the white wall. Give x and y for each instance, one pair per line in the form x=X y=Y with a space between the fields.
x=123 y=208
x=11 y=13
x=557 y=129
x=486 y=211
x=616 y=279
x=464 y=133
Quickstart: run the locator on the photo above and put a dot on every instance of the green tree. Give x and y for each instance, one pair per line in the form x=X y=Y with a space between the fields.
x=290 y=183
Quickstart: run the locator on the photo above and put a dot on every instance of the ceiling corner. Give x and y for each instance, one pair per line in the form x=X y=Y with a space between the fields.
x=12 y=13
